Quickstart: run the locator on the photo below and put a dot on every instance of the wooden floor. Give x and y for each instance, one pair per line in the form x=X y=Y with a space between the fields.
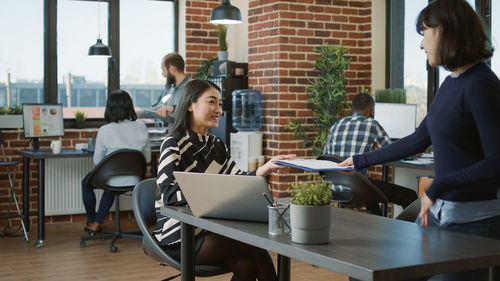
x=61 y=258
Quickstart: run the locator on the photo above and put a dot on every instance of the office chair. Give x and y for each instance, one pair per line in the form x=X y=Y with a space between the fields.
x=361 y=188
x=12 y=181
x=411 y=212
x=124 y=162
x=143 y=204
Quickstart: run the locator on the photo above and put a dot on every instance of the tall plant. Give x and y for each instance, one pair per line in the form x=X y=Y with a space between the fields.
x=221 y=36
x=327 y=94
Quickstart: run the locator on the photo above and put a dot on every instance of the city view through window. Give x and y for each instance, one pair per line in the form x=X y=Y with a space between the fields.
x=146 y=35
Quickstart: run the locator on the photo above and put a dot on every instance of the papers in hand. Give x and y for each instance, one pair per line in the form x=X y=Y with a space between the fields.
x=314 y=165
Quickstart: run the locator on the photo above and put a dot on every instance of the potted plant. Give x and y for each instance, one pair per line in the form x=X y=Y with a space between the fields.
x=80 y=118
x=327 y=95
x=206 y=69
x=11 y=117
x=310 y=212
x=390 y=95
x=221 y=36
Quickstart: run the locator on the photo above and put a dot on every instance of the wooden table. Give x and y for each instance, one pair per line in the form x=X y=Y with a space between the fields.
x=40 y=156
x=363 y=246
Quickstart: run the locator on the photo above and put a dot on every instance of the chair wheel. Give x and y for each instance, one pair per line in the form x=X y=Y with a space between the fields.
x=113 y=249
x=83 y=244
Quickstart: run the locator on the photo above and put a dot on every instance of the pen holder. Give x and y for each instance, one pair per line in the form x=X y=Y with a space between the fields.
x=279 y=219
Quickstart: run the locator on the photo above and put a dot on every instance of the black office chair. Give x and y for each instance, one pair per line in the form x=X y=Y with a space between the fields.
x=354 y=185
x=143 y=203
x=12 y=179
x=410 y=213
x=124 y=162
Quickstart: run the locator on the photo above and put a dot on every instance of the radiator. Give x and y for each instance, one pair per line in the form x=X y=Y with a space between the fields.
x=63 y=186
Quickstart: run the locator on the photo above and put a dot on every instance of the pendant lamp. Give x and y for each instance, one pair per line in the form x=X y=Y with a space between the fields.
x=99 y=49
x=225 y=14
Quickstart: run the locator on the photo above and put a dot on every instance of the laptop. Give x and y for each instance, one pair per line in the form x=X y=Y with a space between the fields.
x=235 y=197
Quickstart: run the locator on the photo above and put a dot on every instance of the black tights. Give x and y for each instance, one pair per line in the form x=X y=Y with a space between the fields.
x=245 y=261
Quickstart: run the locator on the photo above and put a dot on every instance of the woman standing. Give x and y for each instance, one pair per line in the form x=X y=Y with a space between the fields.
x=190 y=148
x=121 y=132
x=462 y=125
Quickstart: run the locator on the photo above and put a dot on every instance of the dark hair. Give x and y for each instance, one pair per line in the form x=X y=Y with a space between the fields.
x=462 y=39
x=362 y=101
x=194 y=89
x=175 y=60
x=119 y=107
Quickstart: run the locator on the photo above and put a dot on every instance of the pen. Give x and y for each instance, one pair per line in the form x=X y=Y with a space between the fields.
x=267 y=198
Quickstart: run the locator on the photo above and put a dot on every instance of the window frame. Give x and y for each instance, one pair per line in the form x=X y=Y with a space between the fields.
x=50 y=87
x=395 y=39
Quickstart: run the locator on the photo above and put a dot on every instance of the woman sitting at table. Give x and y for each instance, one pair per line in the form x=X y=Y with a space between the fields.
x=190 y=148
x=121 y=132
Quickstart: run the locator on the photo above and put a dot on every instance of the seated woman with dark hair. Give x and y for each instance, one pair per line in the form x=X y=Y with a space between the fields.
x=121 y=132
x=190 y=148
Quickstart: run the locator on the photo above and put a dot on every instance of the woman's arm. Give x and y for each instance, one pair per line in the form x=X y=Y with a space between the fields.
x=410 y=145
x=170 y=192
x=100 y=149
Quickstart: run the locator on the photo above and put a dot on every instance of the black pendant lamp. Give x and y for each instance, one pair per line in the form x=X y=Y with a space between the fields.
x=225 y=14
x=99 y=49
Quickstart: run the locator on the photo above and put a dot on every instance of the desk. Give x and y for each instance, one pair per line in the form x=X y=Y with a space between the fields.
x=363 y=246
x=40 y=156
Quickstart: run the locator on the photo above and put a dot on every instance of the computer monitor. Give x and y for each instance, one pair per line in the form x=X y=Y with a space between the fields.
x=398 y=119
x=42 y=120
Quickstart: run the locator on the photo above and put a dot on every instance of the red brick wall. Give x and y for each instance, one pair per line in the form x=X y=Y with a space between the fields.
x=282 y=39
x=201 y=40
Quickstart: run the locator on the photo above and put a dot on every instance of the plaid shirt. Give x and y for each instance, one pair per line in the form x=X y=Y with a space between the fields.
x=355 y=134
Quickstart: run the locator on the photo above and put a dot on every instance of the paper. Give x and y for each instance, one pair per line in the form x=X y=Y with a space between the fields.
x=314 y=165
x=419 y=161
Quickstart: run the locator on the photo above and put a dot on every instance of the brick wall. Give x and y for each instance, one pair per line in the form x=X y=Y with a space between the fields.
x=282 y=39
x=201 y=40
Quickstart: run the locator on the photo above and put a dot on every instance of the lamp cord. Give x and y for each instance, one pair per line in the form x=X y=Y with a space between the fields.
x=99 y=19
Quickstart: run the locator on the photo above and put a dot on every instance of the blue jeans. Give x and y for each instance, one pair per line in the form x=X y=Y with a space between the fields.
x=489 y=227
x=89 y=201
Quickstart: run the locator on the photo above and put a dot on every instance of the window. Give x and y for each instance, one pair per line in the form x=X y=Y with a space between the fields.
x=141 y=52
x=21 y=52
x=81 y=79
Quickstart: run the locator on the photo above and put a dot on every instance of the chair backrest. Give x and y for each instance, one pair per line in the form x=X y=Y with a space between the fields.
x=411 y=212
x=143 y=204
x=123 y=162
x=424 y=182
x=363 y=190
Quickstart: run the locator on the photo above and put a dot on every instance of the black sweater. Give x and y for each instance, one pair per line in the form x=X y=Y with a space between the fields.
x=463 y=125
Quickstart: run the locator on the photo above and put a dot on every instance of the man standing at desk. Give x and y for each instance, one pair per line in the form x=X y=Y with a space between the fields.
x=172 y=66
x=360 y=133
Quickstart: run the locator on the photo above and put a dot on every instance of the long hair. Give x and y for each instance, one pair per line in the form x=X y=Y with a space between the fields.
x=462 y=39
x=119 y=107
x=194 y=89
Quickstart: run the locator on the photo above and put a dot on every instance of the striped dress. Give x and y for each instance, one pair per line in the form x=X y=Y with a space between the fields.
x=189 y=152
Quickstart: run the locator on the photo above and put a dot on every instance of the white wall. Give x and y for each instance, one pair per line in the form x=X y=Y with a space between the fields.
x=378 y=44
x=182 y=28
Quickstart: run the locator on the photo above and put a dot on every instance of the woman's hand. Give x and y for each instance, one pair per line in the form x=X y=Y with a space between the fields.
x=347 y=163
x=425 y=205
x=270 y=166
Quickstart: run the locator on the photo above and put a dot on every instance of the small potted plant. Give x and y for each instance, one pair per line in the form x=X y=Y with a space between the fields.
x=11 y=117
x=221 y=36
x=80 y=118
x=310 y=212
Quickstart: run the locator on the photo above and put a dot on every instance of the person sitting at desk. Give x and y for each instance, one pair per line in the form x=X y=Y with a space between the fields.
x=189 y=147
x=172 y=66
x=121 y=132
x=462 y=126
x=360 y=133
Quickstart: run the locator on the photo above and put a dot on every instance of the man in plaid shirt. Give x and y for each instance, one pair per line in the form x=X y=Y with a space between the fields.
x=360 y=133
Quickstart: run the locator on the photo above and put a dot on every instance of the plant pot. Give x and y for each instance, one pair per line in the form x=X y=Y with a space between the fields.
x=11 y=121
x=310 y=224
x=80 y=124
x=222 y=55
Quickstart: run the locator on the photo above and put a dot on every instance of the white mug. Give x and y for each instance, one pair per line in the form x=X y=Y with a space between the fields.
x=56 y=146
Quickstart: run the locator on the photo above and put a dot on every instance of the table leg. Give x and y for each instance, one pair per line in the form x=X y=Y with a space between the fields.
x=26 y=192
x=187 y=252
x=494 y=273
x=41 y=203
x=283 y=268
